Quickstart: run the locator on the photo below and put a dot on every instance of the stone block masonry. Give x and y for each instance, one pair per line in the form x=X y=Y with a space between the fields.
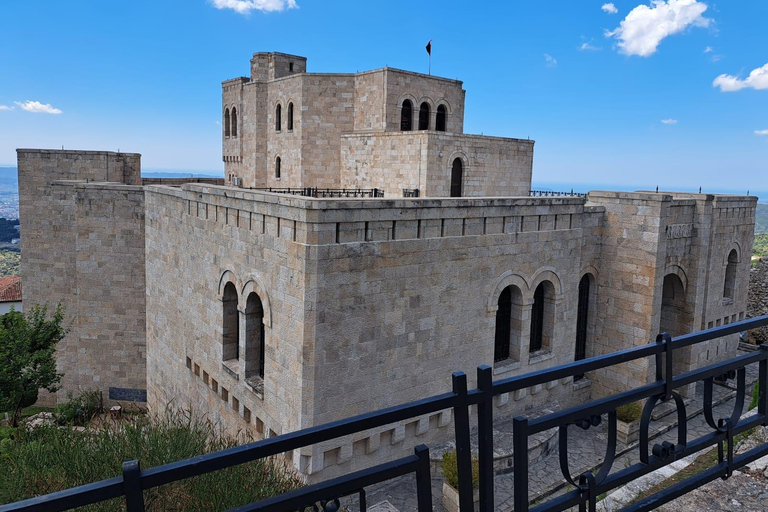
x=82 y=223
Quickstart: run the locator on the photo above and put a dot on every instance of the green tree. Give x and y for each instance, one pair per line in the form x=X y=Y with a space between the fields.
x=27 y=344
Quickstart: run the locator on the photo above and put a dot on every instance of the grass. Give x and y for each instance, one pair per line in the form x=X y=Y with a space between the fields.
x=49 y=459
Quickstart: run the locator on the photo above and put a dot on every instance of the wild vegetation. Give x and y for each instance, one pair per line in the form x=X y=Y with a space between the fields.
x=761 y=219
x=761 y=245
x=51 y=458
x=27 y=344
x=9 y=262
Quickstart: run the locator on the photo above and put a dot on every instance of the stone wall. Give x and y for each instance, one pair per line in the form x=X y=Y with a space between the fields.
x=82 y=246
x=359 y=293
x=423 y=160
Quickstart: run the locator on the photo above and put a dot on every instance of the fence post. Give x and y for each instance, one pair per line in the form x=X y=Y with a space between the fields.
x=134 y=498
x=485 y=437
x=520 y=459
x=463 y=450
x=762 y=400
x=423 y=480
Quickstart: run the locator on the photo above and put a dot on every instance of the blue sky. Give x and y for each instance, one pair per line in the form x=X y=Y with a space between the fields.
x=630 y=93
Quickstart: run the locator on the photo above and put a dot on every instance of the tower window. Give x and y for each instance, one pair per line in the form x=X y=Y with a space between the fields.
x=729 y=288
x=542 y=317
x=278 y=117
x=277 y=167
x=290 y=116
x=424 y=116
x=290 y=66
x=226 y=123
x=440 y=119
x=234 y=122
x=406 y=115
x=506 y=345
x=457 y=171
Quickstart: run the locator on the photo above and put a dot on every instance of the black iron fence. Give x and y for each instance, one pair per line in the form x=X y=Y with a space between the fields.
x=586 y=487
x=550 y=193
x=326 y=192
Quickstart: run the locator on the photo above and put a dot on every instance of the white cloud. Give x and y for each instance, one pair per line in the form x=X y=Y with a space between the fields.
x=708 y=49
x=551 y=61
x=609 y=8
x=6 y=107
x=588 y=47
x=757 y=79
x=37 y=107
x=669 y=121
x=645 y=27
x=246 y=6
x=761 y=132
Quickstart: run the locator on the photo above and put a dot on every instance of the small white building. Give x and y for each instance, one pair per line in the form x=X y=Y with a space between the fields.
x=10 y=294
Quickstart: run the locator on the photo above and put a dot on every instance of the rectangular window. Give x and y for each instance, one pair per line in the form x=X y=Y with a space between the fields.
x=197 y=370
x=189 y=363
x=225 y=394
x=214 y=386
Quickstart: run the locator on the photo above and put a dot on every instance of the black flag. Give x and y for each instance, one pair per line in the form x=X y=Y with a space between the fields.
x=429 y=47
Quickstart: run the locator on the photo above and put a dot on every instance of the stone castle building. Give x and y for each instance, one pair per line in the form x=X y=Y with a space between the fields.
x=273 y=311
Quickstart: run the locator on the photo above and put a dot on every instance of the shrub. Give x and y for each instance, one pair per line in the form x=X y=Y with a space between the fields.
x=49 y=459
x=755 y=396
x=629 y=412
x=79 y=410
x=451 y=470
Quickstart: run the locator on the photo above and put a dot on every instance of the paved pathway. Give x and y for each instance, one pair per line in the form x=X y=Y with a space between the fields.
x=586 y=450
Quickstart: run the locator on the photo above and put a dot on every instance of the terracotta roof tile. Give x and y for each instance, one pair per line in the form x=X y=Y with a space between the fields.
x=10 y=289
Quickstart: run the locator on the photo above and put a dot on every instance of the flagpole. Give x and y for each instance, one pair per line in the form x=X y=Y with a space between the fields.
x=429 y=52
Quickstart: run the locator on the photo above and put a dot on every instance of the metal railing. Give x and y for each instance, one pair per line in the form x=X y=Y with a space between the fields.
x=326 y=192
x=585 y=487
x=550 y=193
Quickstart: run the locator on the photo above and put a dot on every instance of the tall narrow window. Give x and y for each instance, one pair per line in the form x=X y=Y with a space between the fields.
x=277 y=167
x=290 y=116
x=440 y=119
x=254 y=337
x=406 y=116
x=226 y=123
x=234 y=122
x=542 y=317
x=457 y=170
x=231 y=324
x=503 y=318
x=729 y=289
x=582 y=318
x=290 y=66
x=506 y=345
x=278 y=117
x=424 y=116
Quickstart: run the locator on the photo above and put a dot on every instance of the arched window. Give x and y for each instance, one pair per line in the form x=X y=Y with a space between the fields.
x=254 y=337
x=277 y=167
x=582 y=320
x=278 y=117
x=230 y=324
x=226 y=122
x=506 y=345
x=234 y=122
x=406 y=115
x=440 y=119
x=457 y=170
x=729 y=289
x=542 y=317
x=424 y=116
x=290 y=116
